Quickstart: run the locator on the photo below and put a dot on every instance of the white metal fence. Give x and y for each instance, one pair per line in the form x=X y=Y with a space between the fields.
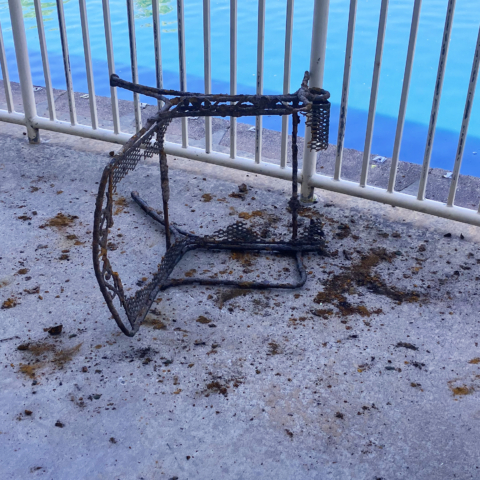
x=309 y=178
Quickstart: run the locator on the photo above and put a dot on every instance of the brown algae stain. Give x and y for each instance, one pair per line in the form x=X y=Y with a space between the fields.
x=463 y=390
x=10 y=303
x=244 y=258
x=273 y=348
x=360 y=274
x=248 y=216
x=40 y=348
x=60 y=220
x=66 y=355
x=41 y=354
x=121 y=204
x=155 y=323
x=323 y=312
x=203 y=320
x=217 y=387
x=220 y=386
x=30 y=370
x=308 y=212
x=5 y=282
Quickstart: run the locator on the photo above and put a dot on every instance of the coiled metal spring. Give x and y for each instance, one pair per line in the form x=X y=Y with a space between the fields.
x=318 y=119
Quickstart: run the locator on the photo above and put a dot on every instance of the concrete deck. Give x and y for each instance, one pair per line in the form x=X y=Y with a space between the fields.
x=371 y=371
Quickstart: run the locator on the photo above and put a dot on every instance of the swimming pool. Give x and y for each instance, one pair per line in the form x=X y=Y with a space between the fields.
x=464 y=32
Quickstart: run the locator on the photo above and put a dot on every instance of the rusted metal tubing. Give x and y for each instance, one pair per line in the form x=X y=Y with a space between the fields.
x=149 y=141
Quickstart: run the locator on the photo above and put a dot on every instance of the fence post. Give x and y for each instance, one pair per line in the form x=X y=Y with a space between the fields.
x=23 y=64
x=317 y=63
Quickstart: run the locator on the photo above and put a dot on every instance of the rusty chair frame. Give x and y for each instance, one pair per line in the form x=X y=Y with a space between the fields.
x=149 y=141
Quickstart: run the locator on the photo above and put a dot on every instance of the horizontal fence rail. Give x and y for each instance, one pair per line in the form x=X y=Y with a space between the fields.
x=308 y=177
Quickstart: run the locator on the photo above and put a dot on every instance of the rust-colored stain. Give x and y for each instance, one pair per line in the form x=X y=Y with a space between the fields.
x=248 y=216
x=30 y=370
x=4 y=282
x=34 y=290
x=273 y=348
x=308 y=212
x=217 y=387
x=360 y=274
x=60 y=220
x=10 y=303
x=40 y=348
x=121 y=204
x=245 y=258
x=203 y=320
x=206 y=197
x=155 y=323
x=237 y=195
x=475 y=360
x=347 y=309
x=323 y=312
x=221 y=386
x=191 y=272
x=463 y=390
x=42 y=354
x=23 y=271
x=66 y=355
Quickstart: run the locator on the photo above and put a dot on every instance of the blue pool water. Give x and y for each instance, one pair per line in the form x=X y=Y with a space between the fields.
x=464 y=33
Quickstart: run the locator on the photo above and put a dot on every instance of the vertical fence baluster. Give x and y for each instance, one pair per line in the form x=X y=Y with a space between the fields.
x=259 y=87
x=233 y=74
x=5 y=75
x=287 y=64
x=373 y=94
x=317 y=66
x=133 y=61
x=158 y=47
x=66 y=62
x=88 y=64
x=342 y=123
x=207 y=69
x=182 y=65
x=466 y=118
x=46 y=65
x=24 y=72
x=436 y=99
x=111 y=64
x=404 y=97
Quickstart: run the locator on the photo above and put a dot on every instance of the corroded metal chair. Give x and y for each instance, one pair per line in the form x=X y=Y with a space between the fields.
x=150 y=141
